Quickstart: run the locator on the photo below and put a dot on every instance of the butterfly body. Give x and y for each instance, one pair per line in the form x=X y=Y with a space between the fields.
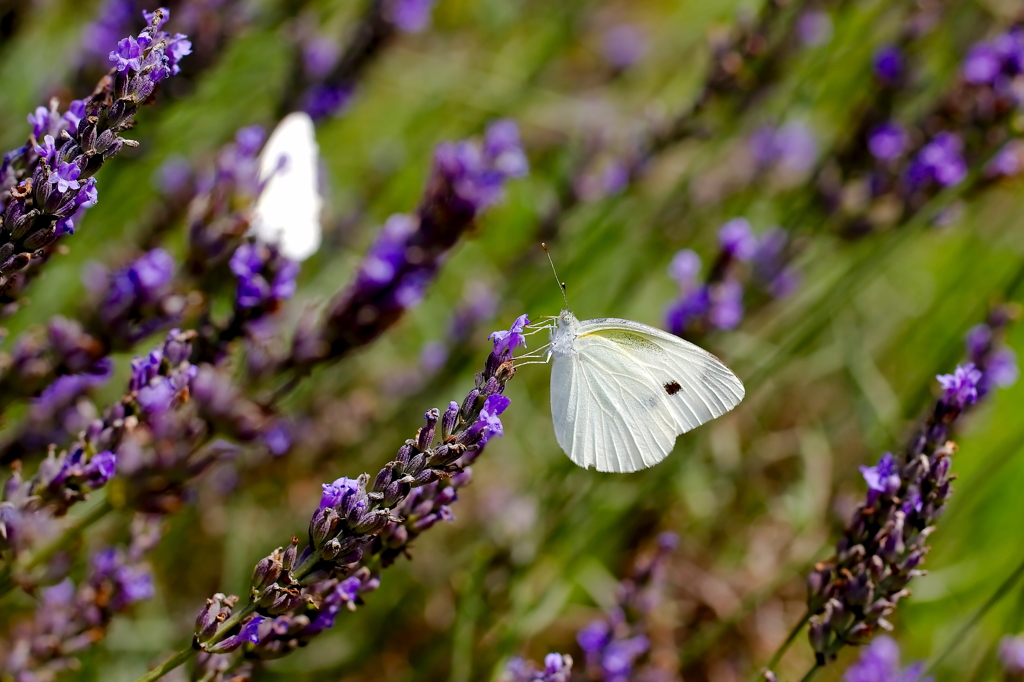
x=622 y=391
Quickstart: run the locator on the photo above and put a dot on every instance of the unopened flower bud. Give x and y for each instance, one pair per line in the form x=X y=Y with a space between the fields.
x=449 y=420
x=425 y=436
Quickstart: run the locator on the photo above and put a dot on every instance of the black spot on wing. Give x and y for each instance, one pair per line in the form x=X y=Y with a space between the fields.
x=672 y=387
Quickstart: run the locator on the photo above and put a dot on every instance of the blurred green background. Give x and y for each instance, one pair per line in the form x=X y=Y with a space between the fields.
x=837 y=373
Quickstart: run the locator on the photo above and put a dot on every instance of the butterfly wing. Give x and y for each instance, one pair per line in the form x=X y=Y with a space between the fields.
x=287 y=212
x=621 y=399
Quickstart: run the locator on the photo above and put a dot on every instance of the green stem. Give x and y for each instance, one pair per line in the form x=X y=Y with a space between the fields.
x=170 y=664
x=961 y=634
x=777 y=656
x=184 y=655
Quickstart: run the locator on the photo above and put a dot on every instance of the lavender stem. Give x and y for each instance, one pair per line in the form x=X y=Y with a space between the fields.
x=186 y=654
x=777 y=656
x=170 y=664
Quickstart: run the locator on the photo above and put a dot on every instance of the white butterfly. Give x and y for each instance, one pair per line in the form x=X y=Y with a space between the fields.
x=288 y=210
x=622 y=392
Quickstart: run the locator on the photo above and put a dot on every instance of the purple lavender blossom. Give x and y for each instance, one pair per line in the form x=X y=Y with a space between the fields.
x=1011 y=654
x=612 y=646
x=557 y=668
x=410 y=16
x=324 y=101
x=814 y=28
x=623 y=45
x=880 y=662
x=265 y=277
x=49 y=194
x=940 y=161
x=726 y=304
x=960 y=388
x=851 y=596
x=887 y=141
x=791 y=147
x=362 y=522
x=140 y=299
x=69 y=619
x=888 y=65
x=771 y=266
x=737 y=239
x=466 y=179
x=982 y=64
x=882 y=479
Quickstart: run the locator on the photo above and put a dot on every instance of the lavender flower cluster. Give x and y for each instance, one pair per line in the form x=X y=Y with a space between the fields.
x=362 y=526
x=52 y=177
x=852 y=594
x=715 y=301
x=613 y=645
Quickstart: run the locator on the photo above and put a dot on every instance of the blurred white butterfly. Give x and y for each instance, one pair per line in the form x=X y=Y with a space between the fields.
x=287 y=212
x=622 y=392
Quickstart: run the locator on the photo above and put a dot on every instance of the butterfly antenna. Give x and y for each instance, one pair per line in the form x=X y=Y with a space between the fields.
x=561 y=284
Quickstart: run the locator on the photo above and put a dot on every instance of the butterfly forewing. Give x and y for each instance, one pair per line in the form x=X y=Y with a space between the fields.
x=629 y=390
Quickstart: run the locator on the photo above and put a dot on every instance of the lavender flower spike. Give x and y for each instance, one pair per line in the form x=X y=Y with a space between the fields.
x=467 y=178
x=53 y=180
x=851 y=595
x=362 y=525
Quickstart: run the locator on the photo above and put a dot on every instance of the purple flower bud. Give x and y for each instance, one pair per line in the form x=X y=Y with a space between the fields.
x=623 y=45
x=982 y=64
x=737 y=239
x=410 y=16
x=888 y=65
x=887 y=141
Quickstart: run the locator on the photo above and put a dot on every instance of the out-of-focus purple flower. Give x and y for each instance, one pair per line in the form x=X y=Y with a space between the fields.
x=113 y=20
x=737 y=239
x=940 y=161
x=265 y=277
x=324 y=101
x=594 y=637
x=693 y=305
x=814 y=28
x=173 y=176
x=880 y=662
x=557 y=668
x=887 y=141
x=1008 y=161
x=410 y=16
x=771 y=267
x=791 y=147
x=478 y=174
x=139 y=298
x=982 y=64
x=960 y=388
x=888 y=65
x=726 y=301
x=1011 y=654
x=623 y=45
x=319 y=55
x=685 y=267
